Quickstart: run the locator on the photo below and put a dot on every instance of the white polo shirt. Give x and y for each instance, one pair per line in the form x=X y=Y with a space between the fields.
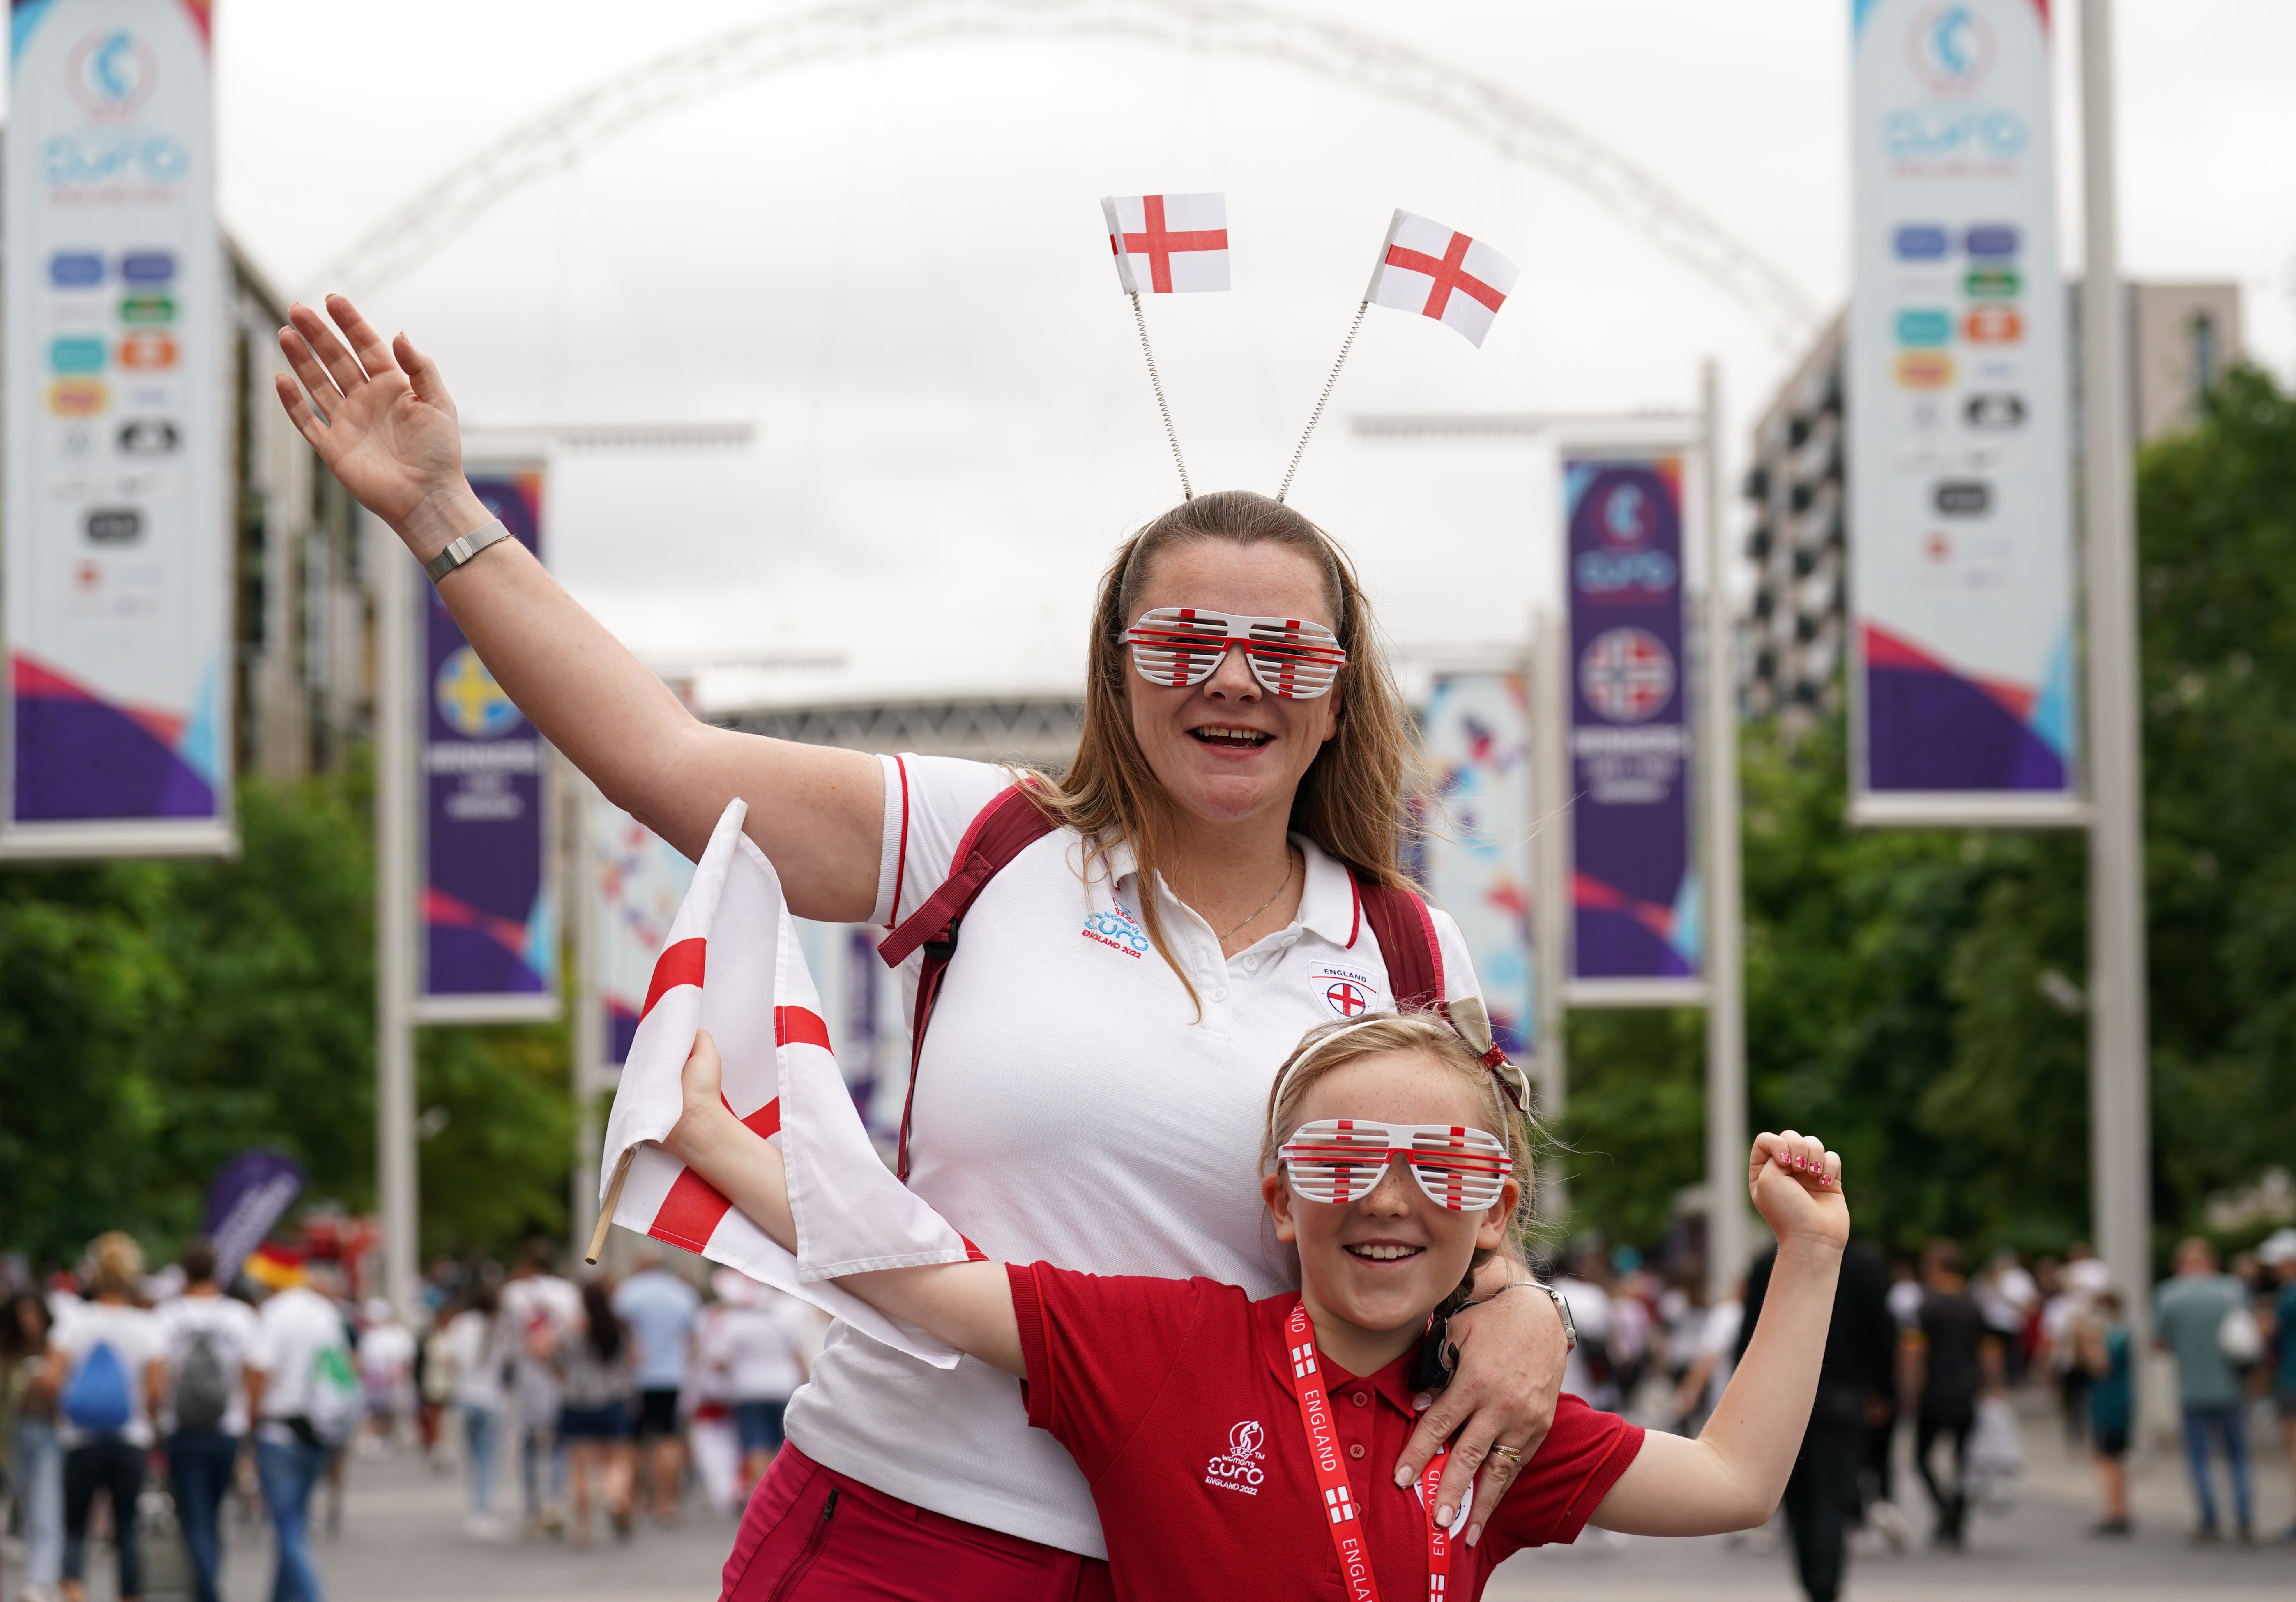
x=1072 y=1107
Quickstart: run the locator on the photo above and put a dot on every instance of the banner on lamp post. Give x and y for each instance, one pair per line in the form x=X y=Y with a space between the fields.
x=1960 y=534
x=1475 y=859
x=1636 y=923
x=117 y=553
x=488 y=923
x=637 y=881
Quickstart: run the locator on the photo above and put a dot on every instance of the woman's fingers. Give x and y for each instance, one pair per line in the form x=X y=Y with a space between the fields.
x=1468 y=1454
x=365 y=343
x=422 y=373
x=314 y=376
x=298 y=411
x=341 y=366
x=1500 y=1466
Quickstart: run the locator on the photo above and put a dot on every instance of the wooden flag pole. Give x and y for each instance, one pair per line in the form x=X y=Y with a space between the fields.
x=606 y=1210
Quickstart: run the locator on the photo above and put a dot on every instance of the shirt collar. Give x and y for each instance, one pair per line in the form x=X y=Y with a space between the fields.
x=1392 y=1384
x=1331 y=906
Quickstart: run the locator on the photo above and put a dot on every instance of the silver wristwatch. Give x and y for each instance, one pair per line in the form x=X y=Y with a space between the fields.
x=1569 y=1328
x=462 y=549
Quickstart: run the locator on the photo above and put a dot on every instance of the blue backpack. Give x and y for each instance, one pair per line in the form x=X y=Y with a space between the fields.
x=96 y=1400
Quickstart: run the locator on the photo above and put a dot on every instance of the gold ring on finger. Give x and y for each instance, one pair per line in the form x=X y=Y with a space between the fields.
x=1511 y=1454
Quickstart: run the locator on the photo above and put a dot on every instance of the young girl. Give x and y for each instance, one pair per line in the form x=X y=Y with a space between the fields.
x=1234 y=1447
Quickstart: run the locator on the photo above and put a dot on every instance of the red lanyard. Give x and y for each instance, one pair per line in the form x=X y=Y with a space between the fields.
x=1340 y=1504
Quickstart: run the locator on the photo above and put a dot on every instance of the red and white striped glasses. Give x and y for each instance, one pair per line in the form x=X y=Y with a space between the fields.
x=1178 y=646
x=1339 y=1159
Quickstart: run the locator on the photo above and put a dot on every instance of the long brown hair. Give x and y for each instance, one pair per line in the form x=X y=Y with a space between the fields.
x=1351 y=799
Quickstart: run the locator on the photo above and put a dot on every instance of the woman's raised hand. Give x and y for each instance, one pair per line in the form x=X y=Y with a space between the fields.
x=383 y=423
x=1797 y=1187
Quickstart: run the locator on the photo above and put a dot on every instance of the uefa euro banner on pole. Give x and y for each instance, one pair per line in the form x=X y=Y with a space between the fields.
x=1635 y=920
x=637 y=880
x=1475 y=738
x=490 y=924
x=116 y=551
x=1961 y=549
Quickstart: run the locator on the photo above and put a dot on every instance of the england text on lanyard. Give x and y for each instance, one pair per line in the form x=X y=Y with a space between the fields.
x=1340 y=1505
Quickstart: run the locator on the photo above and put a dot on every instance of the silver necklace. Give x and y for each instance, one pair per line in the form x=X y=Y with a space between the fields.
x=1264 y=905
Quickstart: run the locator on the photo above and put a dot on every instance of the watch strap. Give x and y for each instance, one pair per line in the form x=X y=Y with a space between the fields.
x=462 y=547
x=1562 y=1307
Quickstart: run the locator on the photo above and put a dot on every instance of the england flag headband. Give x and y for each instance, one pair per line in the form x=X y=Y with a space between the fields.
x=1178 y=243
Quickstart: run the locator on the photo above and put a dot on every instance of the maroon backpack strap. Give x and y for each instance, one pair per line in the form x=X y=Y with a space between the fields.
x=1406 y=933
x=1005 y=828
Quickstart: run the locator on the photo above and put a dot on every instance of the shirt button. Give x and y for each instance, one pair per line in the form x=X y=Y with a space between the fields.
x=1361 y=1400
x=1252 y=965
x=1355 y=1451
x=1220 y=995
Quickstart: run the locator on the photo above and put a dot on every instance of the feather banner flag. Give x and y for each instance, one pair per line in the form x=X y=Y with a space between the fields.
x=1166 y=244
x=1440 y=273
x=732 y=965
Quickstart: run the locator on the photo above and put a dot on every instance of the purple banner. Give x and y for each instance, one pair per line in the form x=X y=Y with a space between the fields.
x=489 y=927
x=1634 y=892
x=251 y=1193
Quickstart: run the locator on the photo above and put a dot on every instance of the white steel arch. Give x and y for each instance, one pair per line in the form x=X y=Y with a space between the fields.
x=1499 y=116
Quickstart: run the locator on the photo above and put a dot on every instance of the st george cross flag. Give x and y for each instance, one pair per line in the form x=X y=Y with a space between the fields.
x=732 y=965
x=1168 y=242
x=1439 y=273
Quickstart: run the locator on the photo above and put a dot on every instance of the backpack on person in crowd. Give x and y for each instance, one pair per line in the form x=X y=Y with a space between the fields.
x=2240 y=1337
x=202 y=1389
x=331 y=1407
x=96 y=1400
x=1010 y=824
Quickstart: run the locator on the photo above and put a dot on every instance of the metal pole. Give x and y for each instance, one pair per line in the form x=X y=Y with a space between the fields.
x=1550 y=885
x=1726 y=979
x=2120 y=1186
x=394 y=921
x=589 y=1023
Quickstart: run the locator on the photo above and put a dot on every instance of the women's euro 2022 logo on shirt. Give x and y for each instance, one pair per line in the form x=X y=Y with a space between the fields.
x=111 y=73
x=1238 y=1467
x=1115 y=929
x=469 y=700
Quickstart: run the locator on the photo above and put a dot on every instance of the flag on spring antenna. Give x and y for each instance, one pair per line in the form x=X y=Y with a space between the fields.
x=1168 y=242
x=732 y=964
x=1439 y=273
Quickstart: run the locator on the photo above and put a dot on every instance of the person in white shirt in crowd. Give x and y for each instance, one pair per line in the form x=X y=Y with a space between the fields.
x=1587 y=1373
x=386 y=1366
x=750 y=1340
x=35 y=1462
x=107 y=1365
x=2078 y=1279
x=306 y=1409
x=659 y=1310
x=478 y=1354
x=1708 y=1374
x=1905 y=1292
x=212 y=1341
x=2006 y=1295
x=539 y=1306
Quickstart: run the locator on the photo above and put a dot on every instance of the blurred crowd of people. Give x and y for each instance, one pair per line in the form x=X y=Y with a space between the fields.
x=1924 y=1346
x=136 y=1406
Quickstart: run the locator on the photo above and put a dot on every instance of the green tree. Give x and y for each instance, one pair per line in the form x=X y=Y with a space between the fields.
x=1916 y=996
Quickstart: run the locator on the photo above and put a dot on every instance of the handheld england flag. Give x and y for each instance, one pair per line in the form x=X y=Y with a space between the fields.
x=1439 y=273
x=732 y=965
x=1168 y=242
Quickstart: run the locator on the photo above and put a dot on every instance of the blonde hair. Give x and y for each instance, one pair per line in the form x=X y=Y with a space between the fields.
x=1351 y=799
x=1331 y=1047
x=119 y=1264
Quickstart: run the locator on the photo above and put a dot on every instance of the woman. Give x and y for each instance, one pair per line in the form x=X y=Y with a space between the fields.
x=748 y=1345
x=480 y=1349
x=594 y=1368
x=36 y=1465
x=108 y=1367
x=1194 y=912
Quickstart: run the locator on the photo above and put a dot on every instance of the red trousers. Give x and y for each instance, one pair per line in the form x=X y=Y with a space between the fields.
x=811 y=1533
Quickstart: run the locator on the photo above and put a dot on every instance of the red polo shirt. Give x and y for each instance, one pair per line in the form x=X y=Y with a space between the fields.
x=1174 y=1398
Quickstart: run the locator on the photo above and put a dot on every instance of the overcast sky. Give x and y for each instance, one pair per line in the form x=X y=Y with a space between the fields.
x=894 y=266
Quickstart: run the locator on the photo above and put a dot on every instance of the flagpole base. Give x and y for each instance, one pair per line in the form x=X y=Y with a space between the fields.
x=606 y=1211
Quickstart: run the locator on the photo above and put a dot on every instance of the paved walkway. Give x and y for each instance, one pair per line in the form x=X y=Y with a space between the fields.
x=401 y=1541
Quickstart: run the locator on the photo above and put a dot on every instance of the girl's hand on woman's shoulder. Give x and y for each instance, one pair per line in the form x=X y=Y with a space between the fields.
x=1796 y=1185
